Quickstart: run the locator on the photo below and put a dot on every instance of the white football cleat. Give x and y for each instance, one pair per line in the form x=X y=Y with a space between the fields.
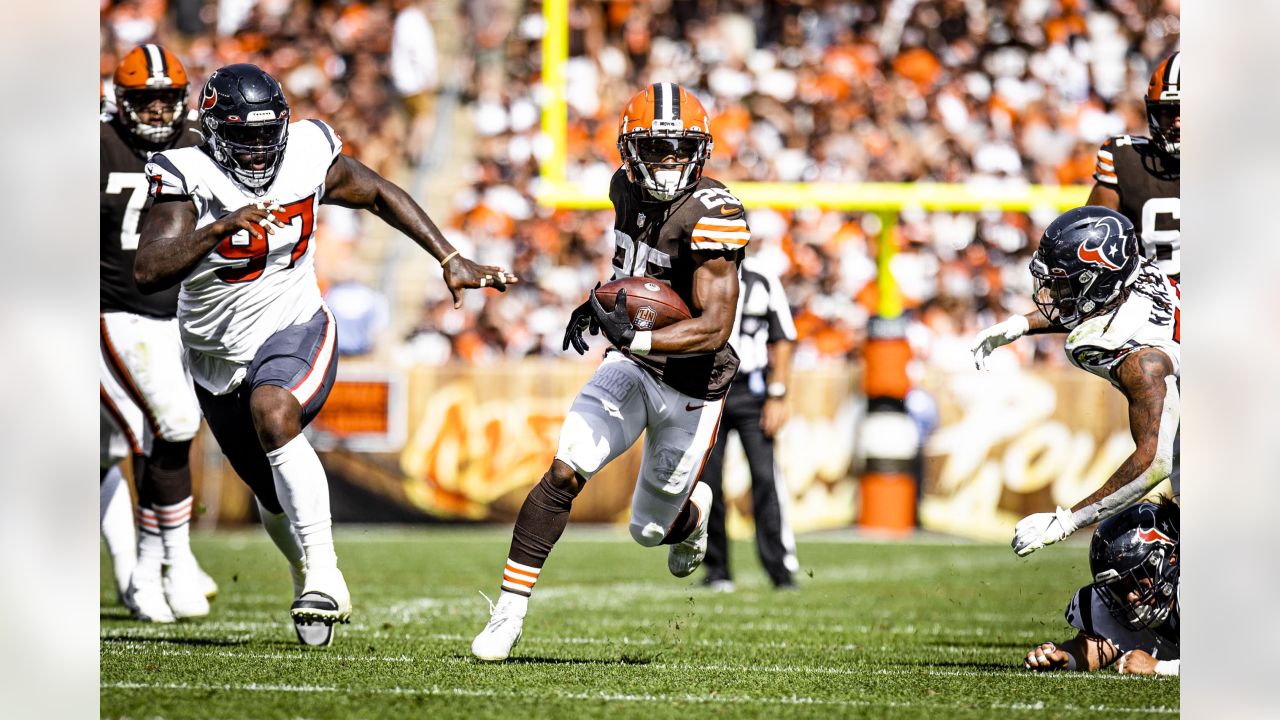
x=208 y=585
x=685 y=556
x=145 y=598
x=503 y=631
x=184 y=590
x=324 y=601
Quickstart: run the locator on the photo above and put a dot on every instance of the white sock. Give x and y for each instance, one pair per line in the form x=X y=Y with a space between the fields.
x=175 y=530
x=150 y=544
x=281 y=532
x=303 y=490
x=116 y=516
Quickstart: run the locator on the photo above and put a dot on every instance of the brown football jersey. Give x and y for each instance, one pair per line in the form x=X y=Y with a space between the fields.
x=1148 y=183
x=124 y=202
x=658 y=240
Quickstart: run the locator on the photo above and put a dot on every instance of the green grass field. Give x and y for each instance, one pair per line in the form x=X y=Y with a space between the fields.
x=875 y=630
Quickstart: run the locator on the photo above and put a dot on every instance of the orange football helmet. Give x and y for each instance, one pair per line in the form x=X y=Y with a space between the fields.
x=146 y=74
x=1164 y=96
x=664 y=138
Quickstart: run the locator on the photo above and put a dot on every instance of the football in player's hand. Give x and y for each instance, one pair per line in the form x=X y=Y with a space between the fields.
x=651 y=304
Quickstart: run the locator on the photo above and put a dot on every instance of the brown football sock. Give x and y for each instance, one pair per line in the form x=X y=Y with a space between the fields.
x=542 y=519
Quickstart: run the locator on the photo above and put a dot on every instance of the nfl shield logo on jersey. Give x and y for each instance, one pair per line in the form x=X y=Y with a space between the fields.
x=644 y=318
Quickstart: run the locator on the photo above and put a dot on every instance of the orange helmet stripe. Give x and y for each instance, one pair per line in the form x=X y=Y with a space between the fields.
x=1166 y=80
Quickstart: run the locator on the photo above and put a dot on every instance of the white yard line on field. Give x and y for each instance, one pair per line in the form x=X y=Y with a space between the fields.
x=525 y=695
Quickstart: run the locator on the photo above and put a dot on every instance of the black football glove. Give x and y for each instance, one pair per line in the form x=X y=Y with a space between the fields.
x=615 y=323
x=581 y=319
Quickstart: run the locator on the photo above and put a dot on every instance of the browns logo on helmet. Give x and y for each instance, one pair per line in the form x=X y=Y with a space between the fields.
x=149 y=74
x=664 y=137
x=1164 y=96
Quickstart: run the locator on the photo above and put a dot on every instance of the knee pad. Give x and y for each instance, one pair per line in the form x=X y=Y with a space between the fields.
x=648 y=534
x=579 y=447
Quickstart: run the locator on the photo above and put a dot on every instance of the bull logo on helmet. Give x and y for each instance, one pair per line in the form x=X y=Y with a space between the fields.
x=1154 y=536
x=1106 y=247
x=209 y=98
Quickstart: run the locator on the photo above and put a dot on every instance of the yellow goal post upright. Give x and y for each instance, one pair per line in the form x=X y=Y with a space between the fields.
x=887 y=438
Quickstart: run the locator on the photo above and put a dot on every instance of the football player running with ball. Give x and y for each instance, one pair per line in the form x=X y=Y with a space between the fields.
x=679 y=228
x=232 y=222
x=1130 y=611
x=1122 y=315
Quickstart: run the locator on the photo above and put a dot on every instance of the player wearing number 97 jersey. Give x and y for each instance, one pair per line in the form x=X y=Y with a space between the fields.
x=233 y=222
x=1141 y=177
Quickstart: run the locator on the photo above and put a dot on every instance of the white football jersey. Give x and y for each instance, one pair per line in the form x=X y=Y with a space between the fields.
x=247 y=289
x=1089 y=613
x=1149 y=317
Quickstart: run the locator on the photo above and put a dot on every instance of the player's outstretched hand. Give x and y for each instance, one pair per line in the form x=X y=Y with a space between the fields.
x=581 y=319
x=253 y=219
x=1045 y=657
x=1039 y=529
x=998 y=335
x=462 y=273
x=616 y=323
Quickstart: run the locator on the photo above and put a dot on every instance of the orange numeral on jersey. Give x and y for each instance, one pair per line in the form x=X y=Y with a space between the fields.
x=257 y=249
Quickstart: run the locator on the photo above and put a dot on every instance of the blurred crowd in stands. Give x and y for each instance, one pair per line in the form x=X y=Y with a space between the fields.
x=995 y=92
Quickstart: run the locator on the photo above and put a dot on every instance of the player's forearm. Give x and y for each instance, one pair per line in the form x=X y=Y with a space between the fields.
x=1089 y=653
x=163 y=262
x=1145 y=468
x=398 y=210
x=702 y=334
x=1038 y=324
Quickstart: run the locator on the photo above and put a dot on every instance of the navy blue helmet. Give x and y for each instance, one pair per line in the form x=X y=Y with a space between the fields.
x=1085 y=260
x=1134 y=561
x=245 y=120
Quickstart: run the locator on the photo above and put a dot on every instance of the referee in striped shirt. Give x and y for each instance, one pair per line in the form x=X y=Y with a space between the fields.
x=764 y=336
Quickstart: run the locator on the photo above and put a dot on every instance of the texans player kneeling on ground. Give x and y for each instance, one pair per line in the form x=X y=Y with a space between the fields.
x=1130 y=611
x=233 y=222
x=676 y=227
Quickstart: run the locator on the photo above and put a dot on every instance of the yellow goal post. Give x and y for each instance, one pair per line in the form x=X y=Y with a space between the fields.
x=885 y=199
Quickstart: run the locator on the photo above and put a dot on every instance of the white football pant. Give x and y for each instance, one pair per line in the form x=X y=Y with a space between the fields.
x=619 y=401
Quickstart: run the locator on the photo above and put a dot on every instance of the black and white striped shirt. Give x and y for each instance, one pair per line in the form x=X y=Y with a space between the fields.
x=763 y=317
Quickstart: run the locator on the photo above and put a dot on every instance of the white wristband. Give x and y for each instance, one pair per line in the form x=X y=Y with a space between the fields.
x=1167 y=667
x=642 y=343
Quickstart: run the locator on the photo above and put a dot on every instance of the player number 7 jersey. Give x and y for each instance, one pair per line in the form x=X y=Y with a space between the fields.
x=247 y=288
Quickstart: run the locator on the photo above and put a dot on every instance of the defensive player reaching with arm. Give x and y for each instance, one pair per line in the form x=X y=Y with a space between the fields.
x=674 y=226
x=149 y=409
x=233 y=222
x=1123 y=316
x=1138 y=177
x=1130 y=611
